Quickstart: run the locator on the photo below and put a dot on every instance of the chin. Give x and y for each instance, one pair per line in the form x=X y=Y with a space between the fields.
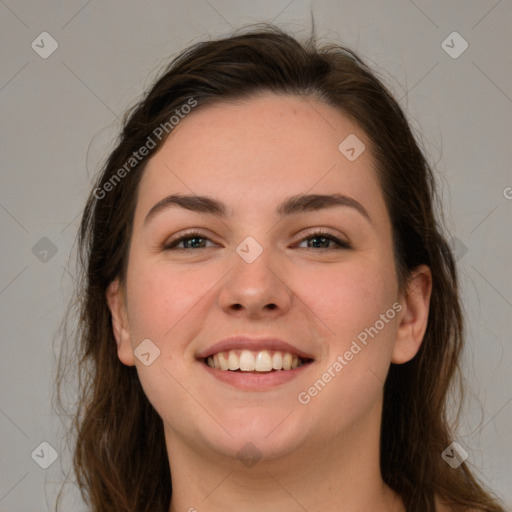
x=256 y=433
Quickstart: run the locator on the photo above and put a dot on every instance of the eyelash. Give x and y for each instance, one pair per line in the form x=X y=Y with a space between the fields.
x=172 y=246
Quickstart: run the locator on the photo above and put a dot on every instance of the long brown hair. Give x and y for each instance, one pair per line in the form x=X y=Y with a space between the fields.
x=120 y=457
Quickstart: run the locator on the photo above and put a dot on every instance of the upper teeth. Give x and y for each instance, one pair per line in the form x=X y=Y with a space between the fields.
x=248 y=361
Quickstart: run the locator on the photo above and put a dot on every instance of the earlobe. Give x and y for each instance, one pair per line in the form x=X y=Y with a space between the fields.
x=116 y=303
x=414 y=315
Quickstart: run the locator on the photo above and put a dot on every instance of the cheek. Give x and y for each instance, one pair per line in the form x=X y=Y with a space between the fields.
x=161 y=297
x=356 y=303
x=350 y=298
x=163 y=307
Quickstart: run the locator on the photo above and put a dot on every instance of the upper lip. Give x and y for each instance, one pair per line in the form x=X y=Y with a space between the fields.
x=256 y=344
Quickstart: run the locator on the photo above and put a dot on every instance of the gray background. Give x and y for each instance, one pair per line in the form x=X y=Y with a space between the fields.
x=59 y=117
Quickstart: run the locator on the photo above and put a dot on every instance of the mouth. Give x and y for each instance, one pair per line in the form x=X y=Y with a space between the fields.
x=255 y=364
x=255 y=361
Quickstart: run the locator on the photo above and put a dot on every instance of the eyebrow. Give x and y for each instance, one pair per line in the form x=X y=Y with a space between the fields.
x=290 y=206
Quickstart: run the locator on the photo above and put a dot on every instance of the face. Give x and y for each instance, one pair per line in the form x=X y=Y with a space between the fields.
x=312 y=278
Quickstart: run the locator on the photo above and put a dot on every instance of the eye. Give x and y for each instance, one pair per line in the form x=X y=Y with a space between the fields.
x=323 y=240
x=197 y=239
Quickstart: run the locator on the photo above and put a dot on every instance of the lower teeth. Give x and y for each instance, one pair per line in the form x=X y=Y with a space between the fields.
x=254 y=371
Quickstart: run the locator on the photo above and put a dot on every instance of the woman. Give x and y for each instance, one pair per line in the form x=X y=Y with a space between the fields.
x=269 y=312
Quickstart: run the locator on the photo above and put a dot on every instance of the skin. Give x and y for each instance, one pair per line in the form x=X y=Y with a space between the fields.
x=251 y=155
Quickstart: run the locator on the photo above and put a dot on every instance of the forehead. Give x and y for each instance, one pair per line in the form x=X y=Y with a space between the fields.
x=255 y=151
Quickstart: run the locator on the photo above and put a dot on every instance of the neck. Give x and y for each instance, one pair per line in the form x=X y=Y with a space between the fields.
x=340 y=475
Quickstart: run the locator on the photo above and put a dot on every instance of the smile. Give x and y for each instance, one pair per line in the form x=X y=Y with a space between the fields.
x=254 y=361
x=254 y=364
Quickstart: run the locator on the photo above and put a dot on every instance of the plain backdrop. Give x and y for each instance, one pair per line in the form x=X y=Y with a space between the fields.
x=59 y=116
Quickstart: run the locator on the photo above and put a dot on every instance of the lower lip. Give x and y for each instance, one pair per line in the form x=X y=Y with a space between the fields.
x=258 y=381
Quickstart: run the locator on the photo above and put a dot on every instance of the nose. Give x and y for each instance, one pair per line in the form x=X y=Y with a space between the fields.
x=255 y=290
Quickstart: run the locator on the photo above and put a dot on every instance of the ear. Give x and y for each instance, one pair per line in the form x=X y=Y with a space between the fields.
x=116 y=303
x=414 y=315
